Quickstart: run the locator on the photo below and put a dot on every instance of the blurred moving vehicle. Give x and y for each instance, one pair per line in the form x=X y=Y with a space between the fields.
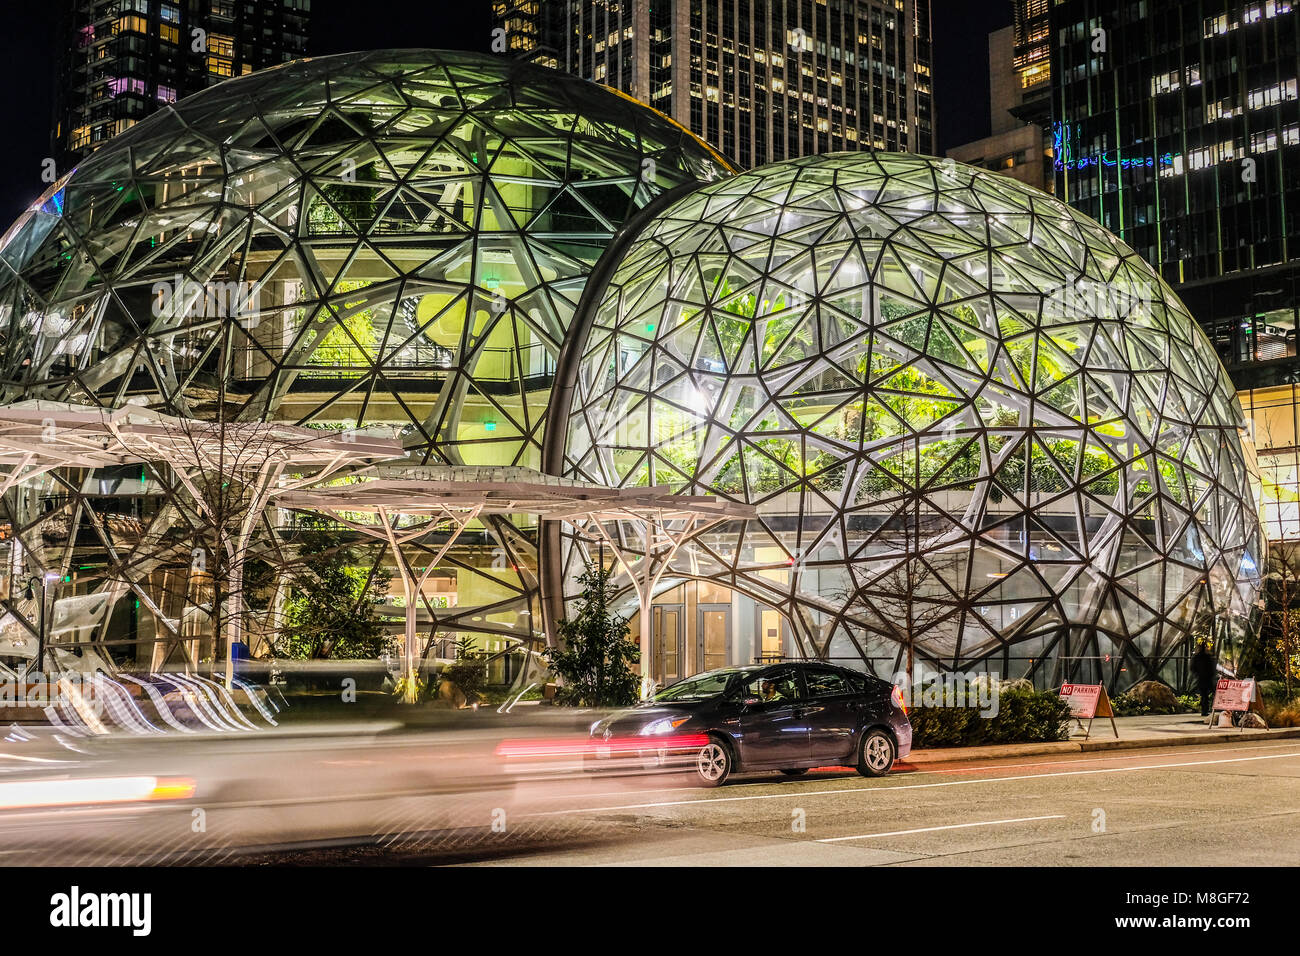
x=788 y=717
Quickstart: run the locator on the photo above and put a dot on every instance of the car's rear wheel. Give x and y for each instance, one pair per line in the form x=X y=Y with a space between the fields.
x=795 y=771
x=876 y=753
x=713 y=763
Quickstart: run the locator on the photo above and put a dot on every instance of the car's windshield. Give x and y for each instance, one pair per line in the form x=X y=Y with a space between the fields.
x=699 y=687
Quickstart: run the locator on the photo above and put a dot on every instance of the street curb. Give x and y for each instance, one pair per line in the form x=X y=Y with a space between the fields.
x=967 y=754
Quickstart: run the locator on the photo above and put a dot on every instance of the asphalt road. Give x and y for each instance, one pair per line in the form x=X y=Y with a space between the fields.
x=1223 y=804
x=372 y=795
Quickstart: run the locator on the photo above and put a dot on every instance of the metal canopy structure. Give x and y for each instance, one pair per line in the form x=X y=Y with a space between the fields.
x=463 y=494
x=39 y=436
x=433 y=299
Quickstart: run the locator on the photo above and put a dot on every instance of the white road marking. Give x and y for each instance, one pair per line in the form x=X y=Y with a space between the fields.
x=802 y=794
x=982 y=768
x=1118 y=755
x=953 y=826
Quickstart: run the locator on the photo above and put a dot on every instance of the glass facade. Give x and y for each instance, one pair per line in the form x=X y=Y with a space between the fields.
x=1177 y=127
x=979 y=430
x=763 y=81
x=974 y=423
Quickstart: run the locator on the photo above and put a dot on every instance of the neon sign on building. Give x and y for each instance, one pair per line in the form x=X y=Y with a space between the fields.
x=1064 y=154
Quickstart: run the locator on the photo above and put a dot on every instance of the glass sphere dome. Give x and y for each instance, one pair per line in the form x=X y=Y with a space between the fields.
x=388 y=238
x=391 y=237
x=973 y=421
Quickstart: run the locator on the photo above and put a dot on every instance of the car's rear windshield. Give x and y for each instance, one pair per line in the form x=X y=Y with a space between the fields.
x=701 y=686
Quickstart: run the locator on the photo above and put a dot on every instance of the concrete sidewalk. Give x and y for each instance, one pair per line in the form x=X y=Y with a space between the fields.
x=1134 y=732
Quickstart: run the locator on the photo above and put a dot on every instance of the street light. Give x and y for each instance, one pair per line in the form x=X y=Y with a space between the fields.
x=43 y=581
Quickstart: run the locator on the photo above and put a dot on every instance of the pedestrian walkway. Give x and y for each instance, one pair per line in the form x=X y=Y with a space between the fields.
x=1134 y=732
x=1160 y=726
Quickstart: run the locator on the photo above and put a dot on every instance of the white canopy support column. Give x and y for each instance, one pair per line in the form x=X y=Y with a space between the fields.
x=38 y=436
x=390 y=530
x=463 y=493
x=413 y=588
x=663 y=542
x=269 y=450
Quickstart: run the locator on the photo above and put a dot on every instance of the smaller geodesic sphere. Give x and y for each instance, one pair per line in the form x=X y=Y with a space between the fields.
x=968 y=415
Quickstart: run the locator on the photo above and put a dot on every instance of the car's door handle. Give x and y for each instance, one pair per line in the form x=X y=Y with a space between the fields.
x=807 y=711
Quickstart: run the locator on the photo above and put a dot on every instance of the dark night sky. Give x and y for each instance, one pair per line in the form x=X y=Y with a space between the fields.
x=27 y=74
x=961 y=28
x=961 y=66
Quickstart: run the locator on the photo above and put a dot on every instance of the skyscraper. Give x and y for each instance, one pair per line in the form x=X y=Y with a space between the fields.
x=1177 y=126
x=1031 y=60
x=760 y=81
x=121 y=60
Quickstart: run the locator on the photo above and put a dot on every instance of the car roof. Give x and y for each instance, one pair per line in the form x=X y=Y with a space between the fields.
x=801 y=664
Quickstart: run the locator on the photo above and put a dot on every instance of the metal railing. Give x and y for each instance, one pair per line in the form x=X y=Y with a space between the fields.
x=532 y=361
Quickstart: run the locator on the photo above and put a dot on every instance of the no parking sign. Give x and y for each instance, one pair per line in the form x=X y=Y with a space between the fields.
x=1087 y=701
x=1233 y=694
x=1236 y=696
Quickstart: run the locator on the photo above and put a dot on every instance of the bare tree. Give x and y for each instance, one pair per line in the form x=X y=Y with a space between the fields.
x=909 y=601
x=192 y=563
x=912 y=594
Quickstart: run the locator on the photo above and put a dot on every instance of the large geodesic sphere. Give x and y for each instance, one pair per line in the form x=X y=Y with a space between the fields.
x=390 y=238
x=393 y=237
x=972 y=420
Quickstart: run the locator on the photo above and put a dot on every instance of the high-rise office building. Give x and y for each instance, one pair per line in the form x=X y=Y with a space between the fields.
x=121 y=60
x=1030 y=72
x=760 y=80
x=1177 y=126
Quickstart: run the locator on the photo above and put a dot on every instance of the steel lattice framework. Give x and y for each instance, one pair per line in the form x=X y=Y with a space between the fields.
x=971 y=419
x=394 y=239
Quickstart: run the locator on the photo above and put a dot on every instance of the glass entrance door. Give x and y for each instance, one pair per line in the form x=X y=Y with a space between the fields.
x=713 y=636
x=667 y=650
x=771 y=628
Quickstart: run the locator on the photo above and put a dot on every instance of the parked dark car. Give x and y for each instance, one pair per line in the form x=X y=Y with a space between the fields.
x=787 y=717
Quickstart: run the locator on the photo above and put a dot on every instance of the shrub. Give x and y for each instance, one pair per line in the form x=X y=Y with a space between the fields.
x=1030 y=716
x=1143 y=700
x=1024 y=716
x=332 y=609
x=596 y=664
x=1272 y=690
x=468 y=672
x=945 y=726
x=1281 y=713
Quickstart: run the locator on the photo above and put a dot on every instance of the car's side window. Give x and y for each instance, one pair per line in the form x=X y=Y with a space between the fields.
x=772 y=687
x=826 y=683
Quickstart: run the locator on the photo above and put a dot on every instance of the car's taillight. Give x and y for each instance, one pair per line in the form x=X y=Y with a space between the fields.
x=898 y=699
